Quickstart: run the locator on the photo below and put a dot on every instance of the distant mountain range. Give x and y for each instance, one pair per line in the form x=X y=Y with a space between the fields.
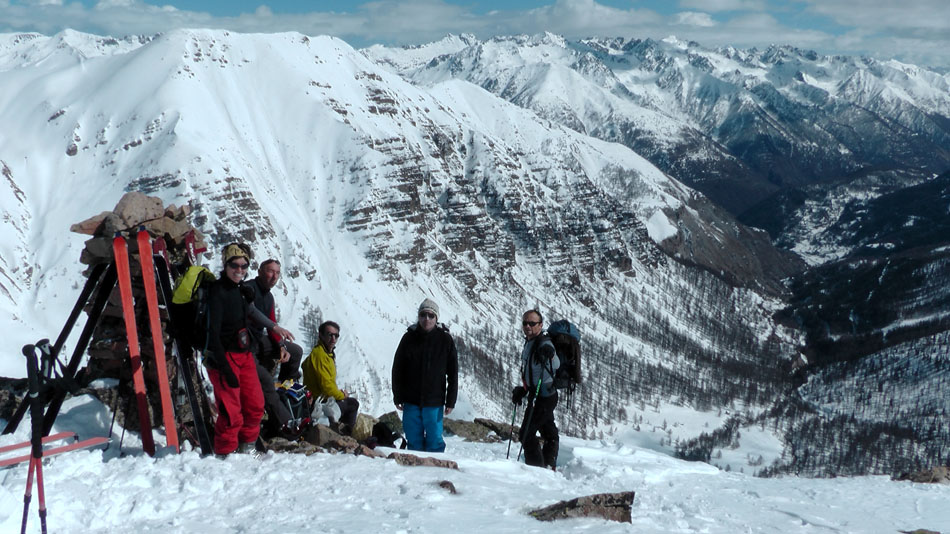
x=506 y=174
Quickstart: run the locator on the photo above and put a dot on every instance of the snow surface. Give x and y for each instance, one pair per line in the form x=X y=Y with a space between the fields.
x=103 y=491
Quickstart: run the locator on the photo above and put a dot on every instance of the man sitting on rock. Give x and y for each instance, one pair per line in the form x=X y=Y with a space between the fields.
x=319 y=376
x=274 y=346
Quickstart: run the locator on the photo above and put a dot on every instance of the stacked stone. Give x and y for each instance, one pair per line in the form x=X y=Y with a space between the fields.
x=108 y=349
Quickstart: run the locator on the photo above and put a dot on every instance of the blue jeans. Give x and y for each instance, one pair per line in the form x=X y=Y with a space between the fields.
x=423 y=427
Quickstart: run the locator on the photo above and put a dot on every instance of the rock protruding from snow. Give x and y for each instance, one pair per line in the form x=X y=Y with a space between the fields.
x=108 y=348
x=402 y=458
x=936 y=475
x=611 y=506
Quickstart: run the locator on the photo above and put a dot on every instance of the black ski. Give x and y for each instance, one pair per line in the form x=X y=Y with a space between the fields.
x=185 y=364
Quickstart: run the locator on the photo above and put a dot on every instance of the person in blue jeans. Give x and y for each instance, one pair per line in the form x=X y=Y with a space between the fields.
x=425 y=379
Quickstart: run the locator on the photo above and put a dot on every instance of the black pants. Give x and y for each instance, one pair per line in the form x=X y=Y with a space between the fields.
x=349 y=409
x=288 y=370
x=542 y=419
x=268 y=353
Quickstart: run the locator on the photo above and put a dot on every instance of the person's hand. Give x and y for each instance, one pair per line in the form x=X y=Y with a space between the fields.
x=282 y=332
x=517 y=394
x=543 y=354
x=228 y=374
x=284 y=355
x=448 y=411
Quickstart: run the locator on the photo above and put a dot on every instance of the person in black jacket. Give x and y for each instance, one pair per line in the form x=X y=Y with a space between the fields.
x=273 y=347
x=231 y=365
x=425 y=379
x=539 y=363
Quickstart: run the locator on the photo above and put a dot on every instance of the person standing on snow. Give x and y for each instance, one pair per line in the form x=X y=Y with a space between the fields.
x=231 y=364
x=319 y=376
x=425 y=379
x=539 y=362
x=273 y=345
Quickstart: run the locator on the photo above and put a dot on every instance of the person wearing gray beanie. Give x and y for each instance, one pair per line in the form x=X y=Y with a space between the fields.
x=425 y=379
x=429 y=305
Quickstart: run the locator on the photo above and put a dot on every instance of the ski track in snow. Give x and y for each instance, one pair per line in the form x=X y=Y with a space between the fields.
x=99 y=491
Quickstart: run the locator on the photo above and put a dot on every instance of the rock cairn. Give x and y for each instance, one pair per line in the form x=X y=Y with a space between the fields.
x=108 y=349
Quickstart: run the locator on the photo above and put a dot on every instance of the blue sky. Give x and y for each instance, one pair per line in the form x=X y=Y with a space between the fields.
x=916 y=31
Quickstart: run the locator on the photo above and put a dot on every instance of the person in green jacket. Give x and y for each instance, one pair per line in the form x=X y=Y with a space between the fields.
x=319 y=376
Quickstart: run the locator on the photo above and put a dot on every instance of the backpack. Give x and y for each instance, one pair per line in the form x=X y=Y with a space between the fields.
x=566 y=339
x=189 y=307
x=383 y=436
x=296 y=398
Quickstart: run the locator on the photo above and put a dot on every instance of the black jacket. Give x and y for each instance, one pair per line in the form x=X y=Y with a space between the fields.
x=425 y=368
x=227 y=311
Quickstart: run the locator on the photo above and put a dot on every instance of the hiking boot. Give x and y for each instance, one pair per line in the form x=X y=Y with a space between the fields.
x=251 y=449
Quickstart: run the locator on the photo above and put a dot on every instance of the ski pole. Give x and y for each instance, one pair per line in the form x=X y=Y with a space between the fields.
x=511 y=430
x=527 y=419
x=36 y=459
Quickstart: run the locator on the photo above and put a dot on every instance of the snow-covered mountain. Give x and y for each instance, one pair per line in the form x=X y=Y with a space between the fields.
x=374 y=193
x=546 y=187
x=838 y=158
x=738 y=125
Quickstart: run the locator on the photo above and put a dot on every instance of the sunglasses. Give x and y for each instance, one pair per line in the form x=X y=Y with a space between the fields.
x=332 y=335
x=238 y=266
x=530 y=323
x=426 y=315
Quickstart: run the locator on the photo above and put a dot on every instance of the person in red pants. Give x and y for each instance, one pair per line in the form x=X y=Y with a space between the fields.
x=232 y=367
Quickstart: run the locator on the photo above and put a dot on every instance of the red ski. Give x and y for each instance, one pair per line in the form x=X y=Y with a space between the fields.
x=160 y=247
x=158 y=339
x=24 y=444
x=121 y=252
x=84 y=444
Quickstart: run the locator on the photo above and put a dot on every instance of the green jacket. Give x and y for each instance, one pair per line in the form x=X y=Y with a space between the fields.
x=319 y=373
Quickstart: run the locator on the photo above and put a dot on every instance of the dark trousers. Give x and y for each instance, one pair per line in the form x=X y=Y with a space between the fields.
x=288 y=370
x=268 y=353
x=542 y=419
x=349 y=409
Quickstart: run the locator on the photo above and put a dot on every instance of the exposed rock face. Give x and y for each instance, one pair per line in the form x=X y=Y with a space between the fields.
x=108 y=348
x=471 y=431
x=937 y=475
x=610 y=506
x=402 y=458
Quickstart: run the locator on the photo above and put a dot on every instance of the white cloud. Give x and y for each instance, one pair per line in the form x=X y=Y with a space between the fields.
x=723 y=5
x=914 y=15
x=692 y=18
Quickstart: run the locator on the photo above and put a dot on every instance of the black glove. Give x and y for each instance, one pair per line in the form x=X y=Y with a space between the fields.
x=517 y=394
x=543 y=354
x=222 y=367
x=229 y=376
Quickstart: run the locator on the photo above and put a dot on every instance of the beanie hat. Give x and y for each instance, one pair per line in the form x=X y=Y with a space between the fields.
x=429 y=305
x=236 y=250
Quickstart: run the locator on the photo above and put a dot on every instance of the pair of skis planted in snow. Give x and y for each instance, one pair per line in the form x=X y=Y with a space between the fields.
x=120 y=251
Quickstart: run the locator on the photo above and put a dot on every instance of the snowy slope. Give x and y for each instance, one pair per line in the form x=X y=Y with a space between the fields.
x=739 y=125
x=375 y=193
x=97 y=491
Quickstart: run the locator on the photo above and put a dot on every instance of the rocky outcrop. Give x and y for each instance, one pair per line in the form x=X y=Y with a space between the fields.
x=108 y=348
x=610 y=506
x=402 y=458
x=936 y=475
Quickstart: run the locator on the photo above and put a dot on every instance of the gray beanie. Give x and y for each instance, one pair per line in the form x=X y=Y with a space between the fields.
x=429 y=305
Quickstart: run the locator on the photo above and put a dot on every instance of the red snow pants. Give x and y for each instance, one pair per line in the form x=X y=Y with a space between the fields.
x=240 y=409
